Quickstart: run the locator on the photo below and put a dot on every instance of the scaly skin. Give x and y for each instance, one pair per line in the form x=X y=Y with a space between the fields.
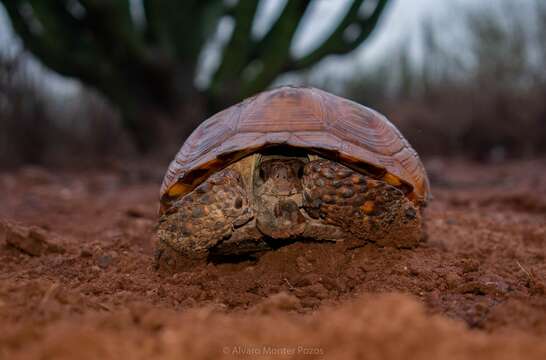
x=277 y=198
x=201 y=219
x=284 y=198
x=368 y=209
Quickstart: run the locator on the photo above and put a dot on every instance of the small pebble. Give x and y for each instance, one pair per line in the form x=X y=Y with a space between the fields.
x=104 y=261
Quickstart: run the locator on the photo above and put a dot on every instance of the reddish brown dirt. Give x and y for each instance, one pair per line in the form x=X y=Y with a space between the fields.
x=475 y=288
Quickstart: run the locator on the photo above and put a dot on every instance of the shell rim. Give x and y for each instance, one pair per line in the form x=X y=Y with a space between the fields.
x=378 y=172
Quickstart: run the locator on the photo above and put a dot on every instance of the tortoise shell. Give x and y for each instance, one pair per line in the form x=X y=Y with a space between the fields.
x=319 y=122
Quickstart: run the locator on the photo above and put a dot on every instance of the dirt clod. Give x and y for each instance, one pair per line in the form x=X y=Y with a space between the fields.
x=30 y=240
x=281 y=301
x=104 y=261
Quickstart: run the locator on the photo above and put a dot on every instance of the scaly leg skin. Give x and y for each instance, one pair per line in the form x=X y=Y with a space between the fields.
x=202 y=219
x=366 y=208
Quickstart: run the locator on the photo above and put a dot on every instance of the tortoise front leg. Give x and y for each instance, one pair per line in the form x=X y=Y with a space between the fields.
x=203 y=218
x=366 y=208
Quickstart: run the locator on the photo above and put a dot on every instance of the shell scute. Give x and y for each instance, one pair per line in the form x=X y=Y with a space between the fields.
x=310 y=118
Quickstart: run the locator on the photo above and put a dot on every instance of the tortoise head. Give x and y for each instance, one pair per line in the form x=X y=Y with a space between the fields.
x=279 y=176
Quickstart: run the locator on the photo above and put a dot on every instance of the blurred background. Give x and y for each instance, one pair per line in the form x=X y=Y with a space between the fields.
x=91 y=82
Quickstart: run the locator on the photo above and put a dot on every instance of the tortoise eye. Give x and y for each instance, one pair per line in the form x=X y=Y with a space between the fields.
x=262 y=174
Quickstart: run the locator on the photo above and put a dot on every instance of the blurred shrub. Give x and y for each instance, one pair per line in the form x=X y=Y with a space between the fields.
x=481 y=95
x=21 y=114
x=38 y=126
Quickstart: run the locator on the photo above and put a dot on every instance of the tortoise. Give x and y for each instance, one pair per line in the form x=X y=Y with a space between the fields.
x=289 y=163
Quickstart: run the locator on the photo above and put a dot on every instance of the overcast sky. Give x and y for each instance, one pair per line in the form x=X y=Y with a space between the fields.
x=401 y=22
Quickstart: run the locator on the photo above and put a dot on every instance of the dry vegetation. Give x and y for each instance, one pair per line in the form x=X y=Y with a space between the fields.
x=478 y=93
x=41 y=126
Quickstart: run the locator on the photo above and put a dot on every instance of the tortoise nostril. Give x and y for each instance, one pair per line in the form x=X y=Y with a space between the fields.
x=281 y=173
